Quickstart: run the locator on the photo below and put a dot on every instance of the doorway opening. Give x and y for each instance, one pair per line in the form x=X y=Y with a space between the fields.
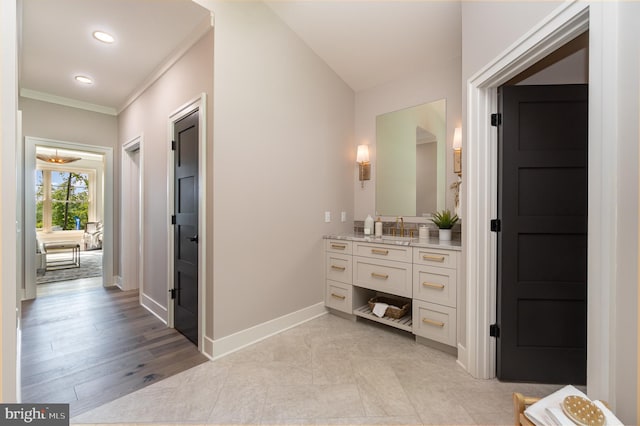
x=68 y=191
x=132 y=216
x=542 y=208
x=565 y=24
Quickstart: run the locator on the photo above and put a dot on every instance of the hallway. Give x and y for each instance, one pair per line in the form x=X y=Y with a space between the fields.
x=92 y=346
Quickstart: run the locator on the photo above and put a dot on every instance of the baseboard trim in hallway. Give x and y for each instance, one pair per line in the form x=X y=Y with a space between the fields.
x=91 y=347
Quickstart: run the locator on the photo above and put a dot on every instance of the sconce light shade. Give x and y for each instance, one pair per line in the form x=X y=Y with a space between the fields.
x=457 y=138
x=457 y=151
x=362 y=157
x=363 y=154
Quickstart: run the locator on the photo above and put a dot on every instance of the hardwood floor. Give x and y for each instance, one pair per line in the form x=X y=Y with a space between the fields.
x=92 y=346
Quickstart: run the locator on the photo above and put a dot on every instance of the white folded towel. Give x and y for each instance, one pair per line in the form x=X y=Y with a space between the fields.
x=610 y=418
x=538 y=413
x=379 y=309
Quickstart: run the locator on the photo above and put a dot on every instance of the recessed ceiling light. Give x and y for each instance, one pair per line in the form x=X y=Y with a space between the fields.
x=83 y=79
x=103 y=37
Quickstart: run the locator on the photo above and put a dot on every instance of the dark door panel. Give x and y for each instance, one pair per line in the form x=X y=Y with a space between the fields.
x=542 y=246
x=186 y=227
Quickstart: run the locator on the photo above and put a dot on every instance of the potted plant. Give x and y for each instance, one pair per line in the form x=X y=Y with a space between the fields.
x=444 y=220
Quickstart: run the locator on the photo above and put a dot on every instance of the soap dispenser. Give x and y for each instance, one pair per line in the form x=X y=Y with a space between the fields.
x=368 y=225
x=378 y=229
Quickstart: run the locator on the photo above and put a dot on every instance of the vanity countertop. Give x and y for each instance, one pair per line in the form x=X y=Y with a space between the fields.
x=400 y=241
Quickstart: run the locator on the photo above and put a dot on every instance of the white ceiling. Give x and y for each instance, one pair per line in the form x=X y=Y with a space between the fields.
x=367 y=43
x=57 y=44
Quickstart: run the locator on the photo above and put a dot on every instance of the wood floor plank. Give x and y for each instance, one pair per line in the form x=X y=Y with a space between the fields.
x=90 y=347
x=88 y=364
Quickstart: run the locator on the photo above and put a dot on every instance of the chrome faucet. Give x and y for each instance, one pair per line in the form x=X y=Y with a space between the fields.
x=400 y=218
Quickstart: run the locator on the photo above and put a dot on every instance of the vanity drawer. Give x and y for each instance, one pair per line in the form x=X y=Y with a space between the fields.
x=383 y=275
x=383 y=251
x=435 y=322
x=436 y=285
x=339 y=296
x=338 y=267
x=339 y=246
x=435 y=257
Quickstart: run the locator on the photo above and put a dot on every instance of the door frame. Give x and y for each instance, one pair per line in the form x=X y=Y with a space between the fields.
x=135 y=144
x=566 y=22
x=198 y=104
x=30 y=208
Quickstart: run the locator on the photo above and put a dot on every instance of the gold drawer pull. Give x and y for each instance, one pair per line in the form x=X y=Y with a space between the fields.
x=433 y=285
x=338 y=296
x=383 y=276
x=434 y=258
x=338 y=268
x=432 y=322
x=378 y=251
x=339 y=246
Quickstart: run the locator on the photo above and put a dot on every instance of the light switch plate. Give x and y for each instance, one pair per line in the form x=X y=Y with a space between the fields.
x=343 y=216
x=327 y=217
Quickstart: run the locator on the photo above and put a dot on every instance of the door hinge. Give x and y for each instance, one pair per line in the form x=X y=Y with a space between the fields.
x=173 y=293
x=496 y=225
x=496 y=119
x=494 y=330
x=173 y=219
x=173 y=145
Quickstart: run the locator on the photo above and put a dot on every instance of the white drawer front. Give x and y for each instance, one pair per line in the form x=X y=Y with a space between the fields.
x=435 y=257
x=435 y=322
x=436 y=285
x=383 y=275
x=339 y=246
x=339 y=296
x=338 y=267
x=383 y=251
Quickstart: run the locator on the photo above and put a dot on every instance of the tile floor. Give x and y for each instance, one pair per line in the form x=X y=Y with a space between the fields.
x=326 y=371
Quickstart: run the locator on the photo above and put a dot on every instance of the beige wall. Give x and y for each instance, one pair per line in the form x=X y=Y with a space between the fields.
x=57 y=122
x=439 y=83
x=490 y=27
x=149 y=115
x=283 y=136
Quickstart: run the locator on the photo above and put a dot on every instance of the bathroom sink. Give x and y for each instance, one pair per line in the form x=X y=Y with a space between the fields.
x=397 y=240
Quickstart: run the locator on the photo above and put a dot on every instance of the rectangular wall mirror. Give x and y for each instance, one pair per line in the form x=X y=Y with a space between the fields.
x=411 y=160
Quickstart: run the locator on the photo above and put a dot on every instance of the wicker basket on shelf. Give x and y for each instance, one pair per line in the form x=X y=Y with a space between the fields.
x=397 y=309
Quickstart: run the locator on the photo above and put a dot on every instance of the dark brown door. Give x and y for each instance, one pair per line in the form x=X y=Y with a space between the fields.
x=542 y=245
x=185 y=231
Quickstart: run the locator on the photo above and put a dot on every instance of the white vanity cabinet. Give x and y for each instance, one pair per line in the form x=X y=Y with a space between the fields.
x=426 y=275
x=435 y=289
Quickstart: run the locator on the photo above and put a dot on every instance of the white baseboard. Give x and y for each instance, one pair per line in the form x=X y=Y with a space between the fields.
x=117 y=281
x=154 y=307
x=229 y=344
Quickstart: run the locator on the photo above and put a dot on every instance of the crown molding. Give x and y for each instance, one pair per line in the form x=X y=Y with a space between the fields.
x=60 y=100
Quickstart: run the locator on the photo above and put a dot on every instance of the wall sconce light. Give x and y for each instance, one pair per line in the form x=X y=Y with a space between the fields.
x=362 y=158
x=457 y=151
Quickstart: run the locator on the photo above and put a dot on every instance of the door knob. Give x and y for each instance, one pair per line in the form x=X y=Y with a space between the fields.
x=194 y=239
